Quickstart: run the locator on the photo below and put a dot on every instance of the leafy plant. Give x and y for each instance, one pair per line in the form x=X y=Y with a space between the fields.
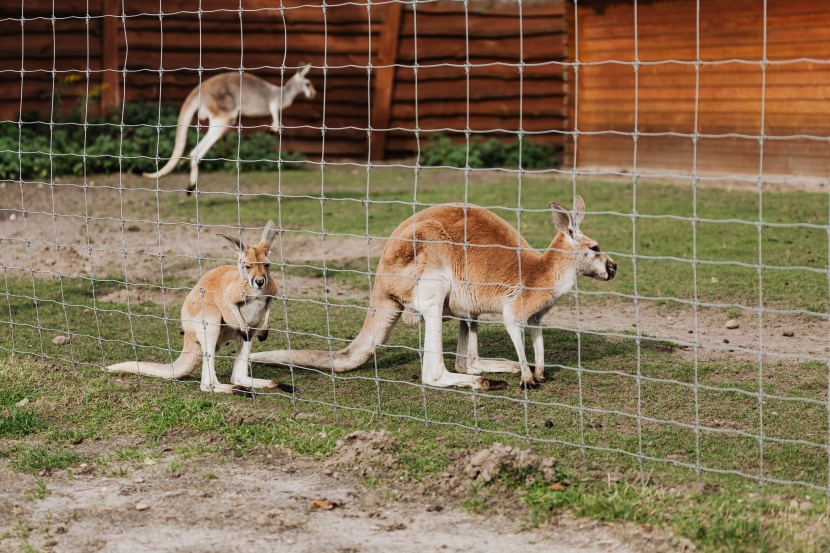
x=441 y=151
x=74 y=145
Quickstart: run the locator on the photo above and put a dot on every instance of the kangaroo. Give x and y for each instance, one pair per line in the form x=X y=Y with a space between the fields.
x=226 y=304
x=222 y=99
x=462 y=261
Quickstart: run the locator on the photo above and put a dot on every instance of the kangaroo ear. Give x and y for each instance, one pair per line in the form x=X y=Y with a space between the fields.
x=561 y=218
x=233 y=244
x=579 y=210
x=304 y=70
x=269 y=232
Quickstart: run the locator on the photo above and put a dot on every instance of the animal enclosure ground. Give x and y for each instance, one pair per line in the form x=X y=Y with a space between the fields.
x=624 y=422
x=264 y=502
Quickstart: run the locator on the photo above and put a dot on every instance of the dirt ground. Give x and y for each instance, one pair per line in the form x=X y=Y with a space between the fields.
x=265 y=502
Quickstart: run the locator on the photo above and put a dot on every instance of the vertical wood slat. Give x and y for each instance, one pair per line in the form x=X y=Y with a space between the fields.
x=109 y=55
x=569 y=81
x=385 y=78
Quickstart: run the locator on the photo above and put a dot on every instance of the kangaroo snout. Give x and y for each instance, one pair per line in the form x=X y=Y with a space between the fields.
x=259 y=282
x=610 y=269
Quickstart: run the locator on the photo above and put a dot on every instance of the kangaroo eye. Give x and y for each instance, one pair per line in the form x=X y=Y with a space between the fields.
x=266 y=266
x=595 y=249
x=248 y=267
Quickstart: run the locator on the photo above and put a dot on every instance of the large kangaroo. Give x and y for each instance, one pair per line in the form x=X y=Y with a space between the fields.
x=218 y=100
x=426 y=267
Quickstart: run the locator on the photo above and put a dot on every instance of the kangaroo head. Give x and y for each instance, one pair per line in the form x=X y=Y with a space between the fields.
x=589 y=259
x=302 y=84
x=253 y=263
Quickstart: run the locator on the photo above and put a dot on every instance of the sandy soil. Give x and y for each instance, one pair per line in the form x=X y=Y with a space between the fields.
x=265 y=503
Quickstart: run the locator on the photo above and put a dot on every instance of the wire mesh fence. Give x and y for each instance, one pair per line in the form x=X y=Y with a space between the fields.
x=699 y=158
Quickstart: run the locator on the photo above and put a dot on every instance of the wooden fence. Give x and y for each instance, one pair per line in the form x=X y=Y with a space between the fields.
x=735 y=95
x=420 y=81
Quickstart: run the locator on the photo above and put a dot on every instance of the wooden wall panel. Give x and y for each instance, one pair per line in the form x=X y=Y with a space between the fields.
x=163 y=57
x=493 y=38
x=731 y=98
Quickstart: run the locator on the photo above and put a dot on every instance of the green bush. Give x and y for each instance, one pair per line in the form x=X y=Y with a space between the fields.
x=440 y=151
x=109 y=149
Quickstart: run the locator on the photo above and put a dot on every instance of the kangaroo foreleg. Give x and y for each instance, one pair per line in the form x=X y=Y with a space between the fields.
x=262 y=335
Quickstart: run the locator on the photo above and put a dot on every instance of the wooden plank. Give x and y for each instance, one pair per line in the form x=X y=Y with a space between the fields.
x=384 y=89
x=227 y=61
x=493 y=10
x=542 y=48
x=109 y=55
x=441 y=72
x=480 y=89
x=453 y=24
x=231 y=40
x=488 y=122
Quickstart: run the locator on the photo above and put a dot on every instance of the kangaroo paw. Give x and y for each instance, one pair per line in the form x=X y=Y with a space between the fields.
x=263 y=335
x=529 y=385
x=243 y=391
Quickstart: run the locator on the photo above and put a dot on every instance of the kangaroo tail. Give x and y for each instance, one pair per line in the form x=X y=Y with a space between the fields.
x=189 y=108
x=188 y=360
x=380 y=320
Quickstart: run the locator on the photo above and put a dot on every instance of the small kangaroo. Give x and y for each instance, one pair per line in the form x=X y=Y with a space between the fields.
x=218 y=100
x=425 y=267
x=226 y=304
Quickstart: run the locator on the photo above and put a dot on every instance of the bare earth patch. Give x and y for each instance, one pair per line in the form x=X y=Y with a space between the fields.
x=809 y=336
x=267 y=503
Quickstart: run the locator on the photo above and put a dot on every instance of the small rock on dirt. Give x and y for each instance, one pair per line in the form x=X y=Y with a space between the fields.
x=60 y=340
x=732 y=324
x=789 y=333
x=141 y=506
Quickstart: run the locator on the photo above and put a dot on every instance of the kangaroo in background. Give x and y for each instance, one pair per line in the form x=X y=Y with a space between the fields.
x=461 y=261
x=222 y=99
x=226 y=304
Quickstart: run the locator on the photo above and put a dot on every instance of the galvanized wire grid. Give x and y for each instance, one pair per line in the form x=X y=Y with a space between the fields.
x=281 y=303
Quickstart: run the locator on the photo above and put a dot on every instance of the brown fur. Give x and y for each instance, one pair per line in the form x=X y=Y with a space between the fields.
x=227 y=304
x=222 y=99
x=459 y=261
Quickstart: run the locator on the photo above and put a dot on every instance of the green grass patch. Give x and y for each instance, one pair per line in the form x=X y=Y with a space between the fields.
x=32 y=458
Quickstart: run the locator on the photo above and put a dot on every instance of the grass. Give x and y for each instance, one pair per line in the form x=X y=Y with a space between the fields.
x=585 y=416
x=33 y=458
x=658 y=242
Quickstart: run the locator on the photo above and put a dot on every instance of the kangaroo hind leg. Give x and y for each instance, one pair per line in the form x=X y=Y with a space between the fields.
x=217 y=129
x=241 y=368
